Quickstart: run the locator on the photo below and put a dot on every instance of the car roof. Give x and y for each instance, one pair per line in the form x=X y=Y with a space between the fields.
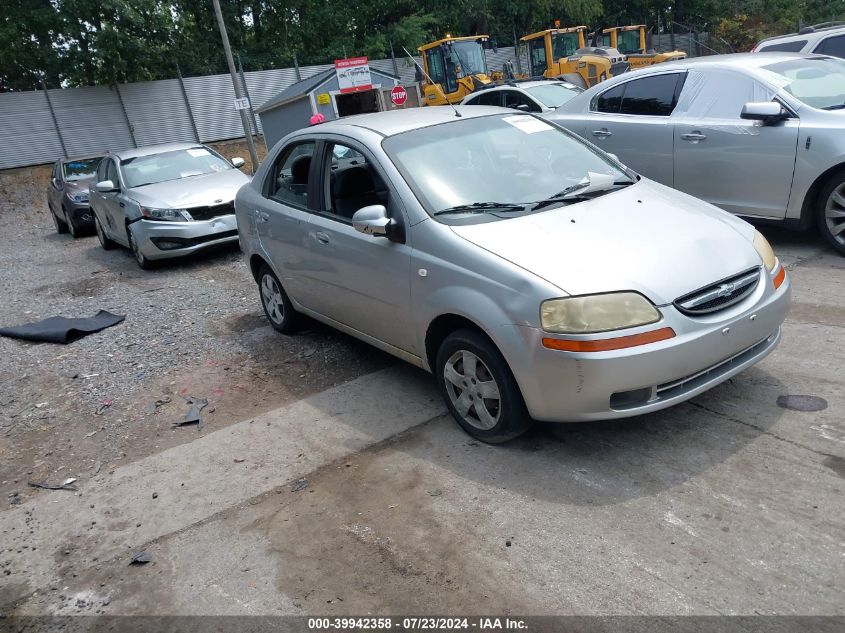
x=808 y=33
x=394 y=122
x=736 y=60
x=149 y=150
x=70 y=159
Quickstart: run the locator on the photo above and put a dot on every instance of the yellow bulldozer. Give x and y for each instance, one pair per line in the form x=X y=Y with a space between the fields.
x=453 y=67
x=631 y=42
x=562 y=53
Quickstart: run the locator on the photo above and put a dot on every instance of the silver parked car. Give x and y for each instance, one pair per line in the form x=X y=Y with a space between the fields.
x=67 y=194
x=535 y=276
x=760 y=135
x=528 y=96
x=166 y=201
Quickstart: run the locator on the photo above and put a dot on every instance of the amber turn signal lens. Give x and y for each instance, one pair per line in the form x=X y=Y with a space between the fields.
x=780 y=277
x=608 y=344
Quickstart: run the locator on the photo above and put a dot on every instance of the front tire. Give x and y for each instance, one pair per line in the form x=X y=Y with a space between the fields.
x=479 y=388
x=61 y=227
x=106 y=242
x=71 y=227
x=831 y=212
x=143 y=262
x=277 y=306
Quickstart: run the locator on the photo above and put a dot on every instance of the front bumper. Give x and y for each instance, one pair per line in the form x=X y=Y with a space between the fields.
x=563 y=386
x=165 y=240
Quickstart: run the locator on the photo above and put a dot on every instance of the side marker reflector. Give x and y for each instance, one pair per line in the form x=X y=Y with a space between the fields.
x=608 y=344
x=780 y=277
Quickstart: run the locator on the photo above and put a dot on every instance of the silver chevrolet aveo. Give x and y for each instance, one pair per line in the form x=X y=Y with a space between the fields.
x=537 y=277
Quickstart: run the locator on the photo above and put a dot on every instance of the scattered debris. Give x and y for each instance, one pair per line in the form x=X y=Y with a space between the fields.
x=140 y=557
x=193 y=416
x=238 y=460
x=15 y=498
x=61 y=329
x=802 y=403
x=299 y=485
x=97 y=467
x=152 y=408
x=435 y=493
x=67 y=484
x=155 y=495
x=104 y=404
x=507 y=543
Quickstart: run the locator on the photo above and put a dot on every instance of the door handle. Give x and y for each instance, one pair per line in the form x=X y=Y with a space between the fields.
x=694 y=136
x=321 y=237
x=602 y=133
x=262 y=216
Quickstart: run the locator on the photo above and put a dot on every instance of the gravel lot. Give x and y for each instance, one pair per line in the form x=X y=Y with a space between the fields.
x=194 y=327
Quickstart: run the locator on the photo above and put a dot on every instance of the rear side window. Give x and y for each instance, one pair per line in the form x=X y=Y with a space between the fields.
x=832 y=46
x=291 y=174
x=514 y=99
x=794 y=46
x=649 y=96
x=486 y=98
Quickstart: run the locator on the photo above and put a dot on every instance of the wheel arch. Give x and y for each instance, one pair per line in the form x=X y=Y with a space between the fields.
x=811 y=198
x=441 y=327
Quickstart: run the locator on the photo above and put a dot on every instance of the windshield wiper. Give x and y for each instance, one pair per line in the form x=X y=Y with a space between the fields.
x=569 y=194
x=482 y=207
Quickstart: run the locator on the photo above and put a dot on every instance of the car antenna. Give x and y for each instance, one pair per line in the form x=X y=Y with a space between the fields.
x=427 y=76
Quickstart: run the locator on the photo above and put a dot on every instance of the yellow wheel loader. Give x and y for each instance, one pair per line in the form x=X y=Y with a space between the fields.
x=453 y=67
x=563 y=54
x=631 y=41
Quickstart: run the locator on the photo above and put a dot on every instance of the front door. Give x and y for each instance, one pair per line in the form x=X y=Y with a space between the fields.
x=359 y=280
x=741 y=166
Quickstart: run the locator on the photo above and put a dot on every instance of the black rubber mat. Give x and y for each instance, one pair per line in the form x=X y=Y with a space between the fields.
x=62 y=329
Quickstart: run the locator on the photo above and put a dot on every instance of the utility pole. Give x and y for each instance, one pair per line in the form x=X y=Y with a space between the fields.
x=230 y=60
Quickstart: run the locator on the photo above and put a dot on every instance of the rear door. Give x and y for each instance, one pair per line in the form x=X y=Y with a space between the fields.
x=741 y=166
x=633 y=120
x=359 y=280
x=282 y=220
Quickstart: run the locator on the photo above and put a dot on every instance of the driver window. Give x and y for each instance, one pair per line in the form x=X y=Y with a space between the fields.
x=351 y=183
x=290 y=175
x=101 y=169
x=111 y=173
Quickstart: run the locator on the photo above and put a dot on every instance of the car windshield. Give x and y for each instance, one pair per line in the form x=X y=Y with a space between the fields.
x=503 y=160
x=553 y=95
x=819 y=82
x=82 y=169
x=470 y=57
x=182 y=163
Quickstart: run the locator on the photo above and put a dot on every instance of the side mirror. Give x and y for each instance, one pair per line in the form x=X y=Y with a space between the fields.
x=105 y=186
x=768 y=112
x=372 y=220
x=524 y=107
x=238 y=162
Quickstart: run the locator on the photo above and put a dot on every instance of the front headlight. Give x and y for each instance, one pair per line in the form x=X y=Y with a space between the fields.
x=79 y=196
x=764 y=250
x=173 y=215
x=597 y=313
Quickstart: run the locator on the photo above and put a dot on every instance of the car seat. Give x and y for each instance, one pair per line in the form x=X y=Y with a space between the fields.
x=352 y=190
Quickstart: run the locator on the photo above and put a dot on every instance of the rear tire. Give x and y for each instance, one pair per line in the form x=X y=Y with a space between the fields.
x=277 y=306
x=479 y=388
x=830 y=214
x=106 y=242
x=61 y=227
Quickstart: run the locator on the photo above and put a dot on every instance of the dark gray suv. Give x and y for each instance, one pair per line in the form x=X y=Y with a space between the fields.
x=67 y=194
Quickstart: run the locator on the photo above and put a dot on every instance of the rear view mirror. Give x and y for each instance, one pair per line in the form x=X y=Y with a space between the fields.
x=105 y=186
x=768 y=112
x=238 y=162
x=372 y=220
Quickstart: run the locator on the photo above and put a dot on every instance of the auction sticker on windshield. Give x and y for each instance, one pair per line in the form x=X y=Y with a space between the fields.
x=196 y=153
x=528 y=124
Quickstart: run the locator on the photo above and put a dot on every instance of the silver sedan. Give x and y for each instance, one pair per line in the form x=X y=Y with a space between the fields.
x=165 y=201
x=534 y=275
x=757 y=134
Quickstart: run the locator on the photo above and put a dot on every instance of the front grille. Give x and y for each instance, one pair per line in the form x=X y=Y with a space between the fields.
x=206 y=213
x=720 y=295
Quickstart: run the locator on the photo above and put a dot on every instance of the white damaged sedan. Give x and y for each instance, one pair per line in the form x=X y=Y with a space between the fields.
x=533 y=274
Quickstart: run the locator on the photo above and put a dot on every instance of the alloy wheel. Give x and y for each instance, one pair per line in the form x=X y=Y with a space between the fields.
x=834 y=214
x=472 y=390
x=271 y=294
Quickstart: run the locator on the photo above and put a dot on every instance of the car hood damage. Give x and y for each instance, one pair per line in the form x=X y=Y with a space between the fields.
x=646 y=238
x=193 y=191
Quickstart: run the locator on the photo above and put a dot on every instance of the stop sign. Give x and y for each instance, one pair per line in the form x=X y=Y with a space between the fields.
x=398 y=96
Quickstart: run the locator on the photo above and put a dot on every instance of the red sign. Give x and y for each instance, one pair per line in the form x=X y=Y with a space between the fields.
x=353 y=74
x=398 y=96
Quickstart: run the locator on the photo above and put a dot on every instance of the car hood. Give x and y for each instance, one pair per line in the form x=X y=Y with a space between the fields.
x=646 y=237
x=194 y=191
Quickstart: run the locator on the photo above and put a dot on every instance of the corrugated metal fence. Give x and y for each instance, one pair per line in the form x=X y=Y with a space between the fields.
x=41 y=126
